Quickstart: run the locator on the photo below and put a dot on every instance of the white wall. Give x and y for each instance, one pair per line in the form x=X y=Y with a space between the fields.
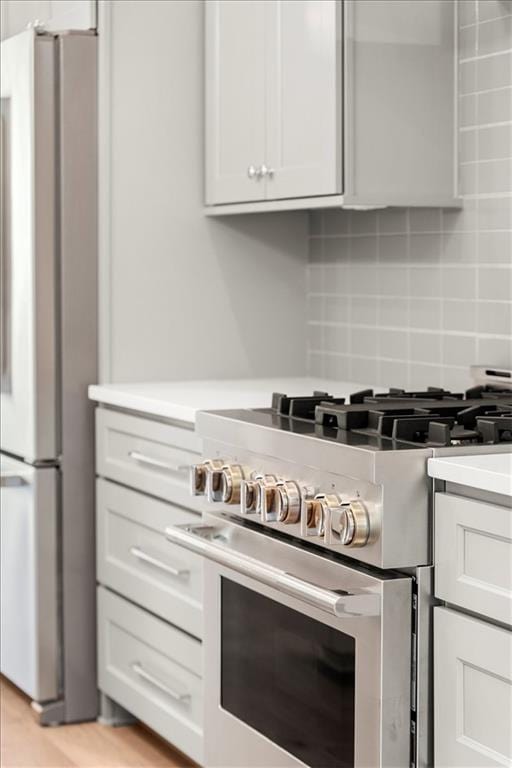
x=55 y=14
x=182 y=295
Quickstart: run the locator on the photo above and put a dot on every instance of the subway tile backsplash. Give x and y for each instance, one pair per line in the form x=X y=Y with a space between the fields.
x=414 y=296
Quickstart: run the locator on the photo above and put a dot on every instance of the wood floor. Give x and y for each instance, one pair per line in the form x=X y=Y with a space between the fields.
x=25 y=744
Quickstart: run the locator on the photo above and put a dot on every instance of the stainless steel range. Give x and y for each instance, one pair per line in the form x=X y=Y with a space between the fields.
x=318 y=571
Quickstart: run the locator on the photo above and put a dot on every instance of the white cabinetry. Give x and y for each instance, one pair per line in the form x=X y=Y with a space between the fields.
x=272 y=122
x=473 y=544
x=473 y=685
x=472 y=656
x=150 y=622
x=235 y=133
x=318 y=103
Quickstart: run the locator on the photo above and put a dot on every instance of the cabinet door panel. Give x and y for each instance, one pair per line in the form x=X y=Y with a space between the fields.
x=473 y=692
x=235 y=99
x=303 y=58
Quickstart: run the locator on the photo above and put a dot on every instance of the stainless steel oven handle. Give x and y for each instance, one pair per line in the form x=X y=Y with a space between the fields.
x=346 y=605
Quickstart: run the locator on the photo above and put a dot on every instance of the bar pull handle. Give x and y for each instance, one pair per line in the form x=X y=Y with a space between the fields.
x=158 y=463
x=145 y=675
x=10 y=480
x=147 y=558
x=200 y=538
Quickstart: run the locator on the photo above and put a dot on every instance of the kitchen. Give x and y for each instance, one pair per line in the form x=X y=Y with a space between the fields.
x=310 y=198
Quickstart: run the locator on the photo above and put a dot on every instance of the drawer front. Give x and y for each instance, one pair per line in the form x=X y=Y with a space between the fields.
x=472 y=691
x=135 y=559
x=147 y=455
x=473 y=555
x=151 y=669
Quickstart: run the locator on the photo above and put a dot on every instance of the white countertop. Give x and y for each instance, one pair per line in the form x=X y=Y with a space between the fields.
x=487 y=472
x=180 y=400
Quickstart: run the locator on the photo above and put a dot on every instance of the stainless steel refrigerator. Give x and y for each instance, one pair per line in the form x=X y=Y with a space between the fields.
x=48 y=357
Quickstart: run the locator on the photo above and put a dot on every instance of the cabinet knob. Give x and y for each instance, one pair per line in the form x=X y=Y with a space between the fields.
x=266 y=171
x=252 y=172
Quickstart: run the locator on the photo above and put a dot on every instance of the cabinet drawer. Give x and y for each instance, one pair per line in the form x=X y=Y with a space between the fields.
x=473 y=555
x=473 y=692
x=147 y=455
x=135 y=559
x=151 y=669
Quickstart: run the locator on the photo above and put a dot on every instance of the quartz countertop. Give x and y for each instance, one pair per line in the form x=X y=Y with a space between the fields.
x=487 y=472
x=181 y=400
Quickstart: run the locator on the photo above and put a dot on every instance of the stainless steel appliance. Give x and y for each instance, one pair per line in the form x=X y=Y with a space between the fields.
x=318 y=576
x=48 y=311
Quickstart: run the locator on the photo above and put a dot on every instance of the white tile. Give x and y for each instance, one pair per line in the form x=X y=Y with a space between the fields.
x=494 y=283
x=425 y=347
x=425 y=281
x=495 y=317
x=459 y=350
x=392 y=281
x=459 y=315
x=425 y=313
x=392 y=248
x=493 y=36
x=495 y=247
x=458 y=282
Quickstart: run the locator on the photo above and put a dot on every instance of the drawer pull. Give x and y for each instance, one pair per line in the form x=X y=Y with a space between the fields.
x=141 y=672
x=152 y=462
x=141 y=555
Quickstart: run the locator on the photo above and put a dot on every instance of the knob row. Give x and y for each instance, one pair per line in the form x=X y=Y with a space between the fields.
x=282 y=501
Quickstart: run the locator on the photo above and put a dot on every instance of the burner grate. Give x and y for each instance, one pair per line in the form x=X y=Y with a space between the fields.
x=302 y=407
x=431 y=417
x=496 y=429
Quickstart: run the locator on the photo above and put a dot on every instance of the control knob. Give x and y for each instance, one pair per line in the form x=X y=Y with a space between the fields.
x=353 y=524
x=199 y=474
x=265 y=491
x=287 y=501
x=223 y=483
x=318 y=511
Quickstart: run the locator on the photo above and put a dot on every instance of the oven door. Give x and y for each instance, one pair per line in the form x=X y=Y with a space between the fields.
x=307 y=660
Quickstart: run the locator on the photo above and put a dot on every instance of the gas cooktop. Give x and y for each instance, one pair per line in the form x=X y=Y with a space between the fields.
x=393 y=420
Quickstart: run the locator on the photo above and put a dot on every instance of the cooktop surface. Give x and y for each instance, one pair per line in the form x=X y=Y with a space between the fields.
x=393 y=420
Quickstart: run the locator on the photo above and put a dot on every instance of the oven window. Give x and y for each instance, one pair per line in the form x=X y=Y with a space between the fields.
x=288 y=676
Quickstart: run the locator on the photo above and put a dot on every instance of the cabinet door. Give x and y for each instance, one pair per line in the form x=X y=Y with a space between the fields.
x=472 y=692
x=303 y=67
x=235 y=100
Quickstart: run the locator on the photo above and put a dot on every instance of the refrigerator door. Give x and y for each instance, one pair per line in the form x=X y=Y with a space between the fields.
x=28 y=577
x=28 y=264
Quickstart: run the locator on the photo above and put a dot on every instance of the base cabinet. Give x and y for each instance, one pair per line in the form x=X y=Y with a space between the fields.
x=150 y=602
x=152 y=670
x=473 y=692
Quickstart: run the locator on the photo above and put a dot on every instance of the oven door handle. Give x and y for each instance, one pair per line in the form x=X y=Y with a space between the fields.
x=202 y=540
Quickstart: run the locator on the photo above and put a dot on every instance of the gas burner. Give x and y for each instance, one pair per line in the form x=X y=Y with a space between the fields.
x=489 y=392
x=302 y=407
x=433 y=417
x=398 y=395
x=496 y=428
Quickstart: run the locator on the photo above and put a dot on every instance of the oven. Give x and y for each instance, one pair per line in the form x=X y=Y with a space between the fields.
x=307 y=656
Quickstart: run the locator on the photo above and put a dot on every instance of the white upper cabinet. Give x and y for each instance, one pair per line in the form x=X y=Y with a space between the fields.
x=303 y=106
x=235 y=100
x=318 y=103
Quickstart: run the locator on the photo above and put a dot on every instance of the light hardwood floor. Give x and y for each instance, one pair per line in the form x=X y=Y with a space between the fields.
x=25 y=744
